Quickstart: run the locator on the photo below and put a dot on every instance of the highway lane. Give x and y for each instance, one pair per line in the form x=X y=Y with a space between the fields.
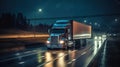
x=75 y=58
x=46 y=59
x=39 y=57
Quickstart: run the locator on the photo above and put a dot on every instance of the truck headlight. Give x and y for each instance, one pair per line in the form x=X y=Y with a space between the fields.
x=61 y=41
x=100 y=37
x=47 y=42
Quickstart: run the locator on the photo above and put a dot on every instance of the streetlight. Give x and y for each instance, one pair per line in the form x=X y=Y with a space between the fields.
x=95 y=23
x=90 y=22
x=85 y=21
x=39 y=10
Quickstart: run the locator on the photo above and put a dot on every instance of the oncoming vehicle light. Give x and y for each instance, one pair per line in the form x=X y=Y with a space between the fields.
x=61 y=41
x=100 y=37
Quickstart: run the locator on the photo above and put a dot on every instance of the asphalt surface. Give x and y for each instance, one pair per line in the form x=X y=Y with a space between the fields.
x=112 y=57
x=109 y=55
x=41 y=57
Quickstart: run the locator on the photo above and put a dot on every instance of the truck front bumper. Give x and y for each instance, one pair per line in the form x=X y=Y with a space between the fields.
x=52 y=46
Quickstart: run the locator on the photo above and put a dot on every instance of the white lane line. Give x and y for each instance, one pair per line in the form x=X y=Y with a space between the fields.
x=71 y=61
x=19 y=56
x=83 y=53
x=103 y=56
x=74 y=60
x=21 y=62
x=43 y=56
x=28 y=52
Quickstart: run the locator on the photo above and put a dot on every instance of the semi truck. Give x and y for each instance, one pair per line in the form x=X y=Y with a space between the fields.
x=68 y=34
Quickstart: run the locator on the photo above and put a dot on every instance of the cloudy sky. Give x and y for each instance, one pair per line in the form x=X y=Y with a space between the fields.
x=60 y=8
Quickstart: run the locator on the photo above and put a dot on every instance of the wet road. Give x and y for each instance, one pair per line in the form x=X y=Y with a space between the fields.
x=41 y=57
x=109 y=55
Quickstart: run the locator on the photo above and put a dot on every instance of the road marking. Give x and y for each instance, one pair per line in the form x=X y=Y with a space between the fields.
x=71 y=61
x=74 y=60
x=28 y=52
x=43 y=56
x=103 y=56
x=83 y=53
x=21 y=62
x=19 y=56
x=77 y=58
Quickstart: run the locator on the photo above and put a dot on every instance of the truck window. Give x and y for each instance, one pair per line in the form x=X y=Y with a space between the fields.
x=57 y=30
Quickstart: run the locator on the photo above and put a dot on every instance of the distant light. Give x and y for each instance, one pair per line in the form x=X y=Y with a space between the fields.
x=40 y=10
x=114 y=34
x=116 y=20
x=90 y=22
x=17 y=54
x=96 y=24
x=85 y=21
x=100 y=37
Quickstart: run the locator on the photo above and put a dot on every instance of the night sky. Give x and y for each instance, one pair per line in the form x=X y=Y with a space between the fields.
x=59 y=8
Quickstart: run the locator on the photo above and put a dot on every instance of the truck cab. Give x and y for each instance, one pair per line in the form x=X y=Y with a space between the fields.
x=68 y=33
x=60 y=35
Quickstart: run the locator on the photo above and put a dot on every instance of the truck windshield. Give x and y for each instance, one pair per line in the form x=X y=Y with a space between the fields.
x=62 y=22
x=57 y=30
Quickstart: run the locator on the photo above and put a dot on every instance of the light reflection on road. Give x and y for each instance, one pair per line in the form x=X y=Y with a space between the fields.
x=56 y=58
x=60 y=58
x=98 y=42
x=95 y=47
x=71 y=54
x=48 y=58
x=39 y=56
x=53 y=59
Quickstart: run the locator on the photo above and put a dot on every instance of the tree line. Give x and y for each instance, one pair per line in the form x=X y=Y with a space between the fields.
x=18 y=21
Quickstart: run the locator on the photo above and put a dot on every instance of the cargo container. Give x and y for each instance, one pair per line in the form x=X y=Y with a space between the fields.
x=68 y=33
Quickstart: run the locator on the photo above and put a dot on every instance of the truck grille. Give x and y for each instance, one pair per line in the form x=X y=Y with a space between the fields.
x=54 y=40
